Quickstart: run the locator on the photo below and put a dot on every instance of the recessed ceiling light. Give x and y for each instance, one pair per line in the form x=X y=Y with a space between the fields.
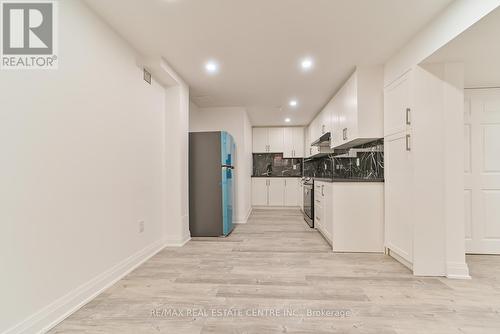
x=293 y=103
x=211 y=67
x=306 y=64
x=288 y=120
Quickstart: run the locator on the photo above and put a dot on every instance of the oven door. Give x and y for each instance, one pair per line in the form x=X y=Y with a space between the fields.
x=309 y=204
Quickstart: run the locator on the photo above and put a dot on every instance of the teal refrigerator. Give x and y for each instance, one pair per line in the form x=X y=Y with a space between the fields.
x=211 y=183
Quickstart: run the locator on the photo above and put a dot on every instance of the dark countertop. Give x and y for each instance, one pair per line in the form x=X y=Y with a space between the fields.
x=289 y=176
x=346 y=180
x=332 y=180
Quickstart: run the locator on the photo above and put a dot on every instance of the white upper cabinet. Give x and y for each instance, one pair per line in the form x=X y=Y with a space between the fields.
x=260 y=140
x=325 y=117
x=397 y=116
x=357 y=110
x=276 y=143
x=313 y=133
x=293 y=142
x=288 y=140
x=267 y=140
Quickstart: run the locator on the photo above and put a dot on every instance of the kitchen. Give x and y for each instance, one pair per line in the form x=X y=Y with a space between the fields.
x=337 y=180
x=236 y=166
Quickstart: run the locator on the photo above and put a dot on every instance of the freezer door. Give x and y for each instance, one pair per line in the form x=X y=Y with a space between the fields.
x=228 y=148
x=227 y=156
x=227 y=200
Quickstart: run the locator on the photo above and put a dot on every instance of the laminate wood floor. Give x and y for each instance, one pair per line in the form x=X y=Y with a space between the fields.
x=276 y=265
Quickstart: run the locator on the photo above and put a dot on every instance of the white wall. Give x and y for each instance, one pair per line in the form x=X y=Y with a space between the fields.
x=454 y=20
x=235 y=121
x=176 y=165
x=439 y=233
x=83 y=159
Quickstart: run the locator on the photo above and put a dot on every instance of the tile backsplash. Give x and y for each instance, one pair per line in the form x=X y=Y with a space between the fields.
x=273 y=164
x=362 y=162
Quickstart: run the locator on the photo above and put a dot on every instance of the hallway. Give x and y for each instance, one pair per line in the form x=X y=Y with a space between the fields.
x=276 y=265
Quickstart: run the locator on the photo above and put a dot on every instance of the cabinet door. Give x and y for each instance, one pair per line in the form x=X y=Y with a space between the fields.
x=276 y=192
x=291 y=192
x=327 y=200
x=350 y=110
x=398 y=199
x=318 y=217
x=288 y=136
x=276 y=144
x=326 y=119
x=298 y=142
x=259 y=191
x=397 y=108
x=300 y=195
x=260 y=140
x=336 y=137
x=314 y=129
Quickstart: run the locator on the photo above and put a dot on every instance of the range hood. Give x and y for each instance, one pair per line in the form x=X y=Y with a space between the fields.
x=323 y=141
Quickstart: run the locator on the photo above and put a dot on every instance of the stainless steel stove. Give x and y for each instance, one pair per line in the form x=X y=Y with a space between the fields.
x=308 y=198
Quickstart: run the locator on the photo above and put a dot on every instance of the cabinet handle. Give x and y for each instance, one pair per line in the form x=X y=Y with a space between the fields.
x=310 y=151
x=322 y=190
x=344 y=133
x=408 y=116
x=408 y=143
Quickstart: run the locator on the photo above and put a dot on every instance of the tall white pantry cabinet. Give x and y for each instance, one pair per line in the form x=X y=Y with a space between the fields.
x=398 y=168
x=422 y=108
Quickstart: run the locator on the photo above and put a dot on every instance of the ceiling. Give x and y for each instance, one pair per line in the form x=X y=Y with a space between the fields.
x=258 y=45
x=479 y=49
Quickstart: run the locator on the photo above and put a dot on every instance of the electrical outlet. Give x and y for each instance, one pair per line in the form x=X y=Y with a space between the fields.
x=141 y=226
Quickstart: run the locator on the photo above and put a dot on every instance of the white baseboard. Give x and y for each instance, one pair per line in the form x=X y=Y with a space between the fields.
x=49 y=316
x=392 y=253
x=177 y=242
x=457 y=270
x=245 y=219
x=275 y=207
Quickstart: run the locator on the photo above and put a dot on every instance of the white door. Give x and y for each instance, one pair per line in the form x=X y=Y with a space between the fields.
x=291 y=192
x=482 y=171
x=276 y=192
x=276 y=140
x=259 y=191
x=398 y=199
x=288 y=146
x=259 y=140
x=397 y=109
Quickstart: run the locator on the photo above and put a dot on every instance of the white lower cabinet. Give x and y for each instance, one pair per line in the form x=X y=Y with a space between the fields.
x=292 y=192
x=276 y=191
x=259 y=191
x=350 y=215
x=323 y=209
